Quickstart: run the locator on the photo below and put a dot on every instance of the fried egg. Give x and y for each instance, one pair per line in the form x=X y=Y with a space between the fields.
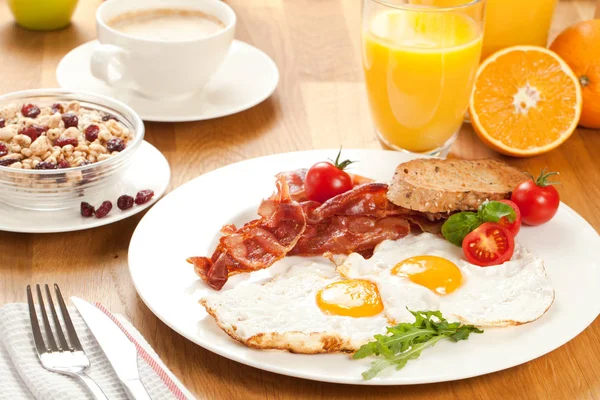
x=426 y=272
x=309 y=308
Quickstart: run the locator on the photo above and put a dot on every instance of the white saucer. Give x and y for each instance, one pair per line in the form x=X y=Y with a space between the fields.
x=149 y=170
x=247 y=77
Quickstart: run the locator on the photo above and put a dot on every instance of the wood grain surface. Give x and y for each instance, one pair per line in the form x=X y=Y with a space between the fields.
x=320 y=103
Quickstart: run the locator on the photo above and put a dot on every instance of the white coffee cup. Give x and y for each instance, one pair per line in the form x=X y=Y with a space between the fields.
x=160 y=69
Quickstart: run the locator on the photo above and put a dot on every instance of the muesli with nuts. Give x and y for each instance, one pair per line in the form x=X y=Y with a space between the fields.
x=62 y=135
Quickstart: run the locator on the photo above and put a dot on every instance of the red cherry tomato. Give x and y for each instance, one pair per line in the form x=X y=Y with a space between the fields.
x=515 y=226
x=489 y=244
x=538 y=201
x=324 y=181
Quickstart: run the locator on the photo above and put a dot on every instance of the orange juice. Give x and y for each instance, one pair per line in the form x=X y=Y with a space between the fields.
x=419 y=72
x=509 y=22
x=513 y=22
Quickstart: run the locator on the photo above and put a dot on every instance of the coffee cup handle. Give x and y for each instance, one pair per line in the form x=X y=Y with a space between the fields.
x=108 y=63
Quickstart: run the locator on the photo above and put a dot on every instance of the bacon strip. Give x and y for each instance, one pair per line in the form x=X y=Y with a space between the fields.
x=348 y=234
x=354 y=221
x=257 y=244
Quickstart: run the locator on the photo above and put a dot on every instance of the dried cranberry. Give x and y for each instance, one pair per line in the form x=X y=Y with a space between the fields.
x=70 y=120
x=87 y=210
x=109 y=116
x=91 y=133
x=57 y=107
x=125 y=202
x=30 y=110
x=62 y=142
x=2 y=122
x=46 y=165
x=63 y=164
x=143 y=196
x=115 y=144
x=3 y=149
x=34 y=131
x=8 y=161
x=104 y=209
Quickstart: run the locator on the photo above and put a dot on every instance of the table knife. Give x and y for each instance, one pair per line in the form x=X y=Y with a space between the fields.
x=119 y=350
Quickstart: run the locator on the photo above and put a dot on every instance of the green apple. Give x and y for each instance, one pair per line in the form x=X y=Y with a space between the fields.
x=42 y=15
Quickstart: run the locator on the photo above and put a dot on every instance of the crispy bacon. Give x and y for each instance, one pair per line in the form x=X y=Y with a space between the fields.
x=257 y=244
x=354 y=221
x=426 y=223
x=363 y=200
x=295 y=181
x=348 y=234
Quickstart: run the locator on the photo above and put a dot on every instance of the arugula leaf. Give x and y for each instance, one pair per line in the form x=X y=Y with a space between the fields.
x=493 y=211
x=406 y=341
x=459 y=225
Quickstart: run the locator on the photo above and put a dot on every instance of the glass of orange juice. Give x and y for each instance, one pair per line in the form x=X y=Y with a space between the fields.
x=509 y=22
x=513 y=22
x=419 y=63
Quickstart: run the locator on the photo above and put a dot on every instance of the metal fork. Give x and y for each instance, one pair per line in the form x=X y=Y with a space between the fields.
x=60 y=356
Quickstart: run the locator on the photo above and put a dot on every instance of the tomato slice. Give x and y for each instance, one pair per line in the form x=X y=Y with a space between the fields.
x=489 y=244
x=515 y=226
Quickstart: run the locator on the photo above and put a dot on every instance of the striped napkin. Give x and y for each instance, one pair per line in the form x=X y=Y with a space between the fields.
x=23 y=377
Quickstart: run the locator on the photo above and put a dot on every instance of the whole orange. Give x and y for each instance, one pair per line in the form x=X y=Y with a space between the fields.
x=579 y=46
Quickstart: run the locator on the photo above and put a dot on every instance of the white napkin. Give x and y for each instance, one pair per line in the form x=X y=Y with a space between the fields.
x=23 y=377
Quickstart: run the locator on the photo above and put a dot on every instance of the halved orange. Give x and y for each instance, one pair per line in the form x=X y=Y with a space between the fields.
x=526 y=101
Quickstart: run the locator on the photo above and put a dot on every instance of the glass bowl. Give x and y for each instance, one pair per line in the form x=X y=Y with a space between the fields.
x=65 y=188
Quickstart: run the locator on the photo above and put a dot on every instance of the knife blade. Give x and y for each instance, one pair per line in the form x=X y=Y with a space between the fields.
x=119 y=350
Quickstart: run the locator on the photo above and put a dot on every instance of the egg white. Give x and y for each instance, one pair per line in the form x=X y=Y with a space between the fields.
x=514 y=292
x=283 y=313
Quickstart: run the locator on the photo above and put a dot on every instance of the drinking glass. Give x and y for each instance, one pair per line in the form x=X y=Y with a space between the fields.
x=515 y=22
x=509 y=22
x=420 y=62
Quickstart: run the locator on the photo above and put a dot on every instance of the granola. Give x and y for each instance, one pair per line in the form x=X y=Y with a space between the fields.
x=61 y=135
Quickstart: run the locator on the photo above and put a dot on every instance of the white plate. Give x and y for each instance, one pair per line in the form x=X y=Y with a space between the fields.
x=247 y=77
x=186 y=222
x=149 y=169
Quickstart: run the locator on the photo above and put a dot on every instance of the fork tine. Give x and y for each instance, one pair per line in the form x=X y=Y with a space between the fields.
x=49 y=334
x=35 y=325
x=59 y=332
x=68 y=323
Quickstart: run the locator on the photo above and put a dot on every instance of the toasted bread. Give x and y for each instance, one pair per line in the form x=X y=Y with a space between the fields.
x=433 y=185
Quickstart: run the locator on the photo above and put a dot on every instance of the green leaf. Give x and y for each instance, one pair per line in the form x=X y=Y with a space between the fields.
x=405 y=341
x=459 y=225
x=341 y=164
x=493 y=211
x=464 y=331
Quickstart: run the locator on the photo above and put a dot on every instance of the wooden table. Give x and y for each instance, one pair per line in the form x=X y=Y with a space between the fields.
x=320 y=103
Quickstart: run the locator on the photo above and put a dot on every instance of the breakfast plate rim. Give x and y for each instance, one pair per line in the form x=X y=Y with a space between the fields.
x=397 y=380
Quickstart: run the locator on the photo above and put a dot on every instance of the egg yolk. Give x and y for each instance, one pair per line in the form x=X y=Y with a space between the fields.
x=435 y=273
x=350 y=298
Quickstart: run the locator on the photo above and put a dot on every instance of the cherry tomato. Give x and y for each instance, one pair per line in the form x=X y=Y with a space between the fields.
x=324 y=180
x=515 y=226
x=489 y=244
x=538 y=201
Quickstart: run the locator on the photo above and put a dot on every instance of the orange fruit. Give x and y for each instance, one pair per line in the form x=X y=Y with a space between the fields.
x=579 y=46
x=526 y=101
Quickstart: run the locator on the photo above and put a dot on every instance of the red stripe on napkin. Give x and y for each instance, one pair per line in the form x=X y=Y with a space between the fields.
x=162 y=374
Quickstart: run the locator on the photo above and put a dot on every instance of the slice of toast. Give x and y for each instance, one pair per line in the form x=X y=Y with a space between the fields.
x=433 y=185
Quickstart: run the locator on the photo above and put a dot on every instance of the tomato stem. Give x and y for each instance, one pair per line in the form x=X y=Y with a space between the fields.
x=542 y=180
x=341 y=165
